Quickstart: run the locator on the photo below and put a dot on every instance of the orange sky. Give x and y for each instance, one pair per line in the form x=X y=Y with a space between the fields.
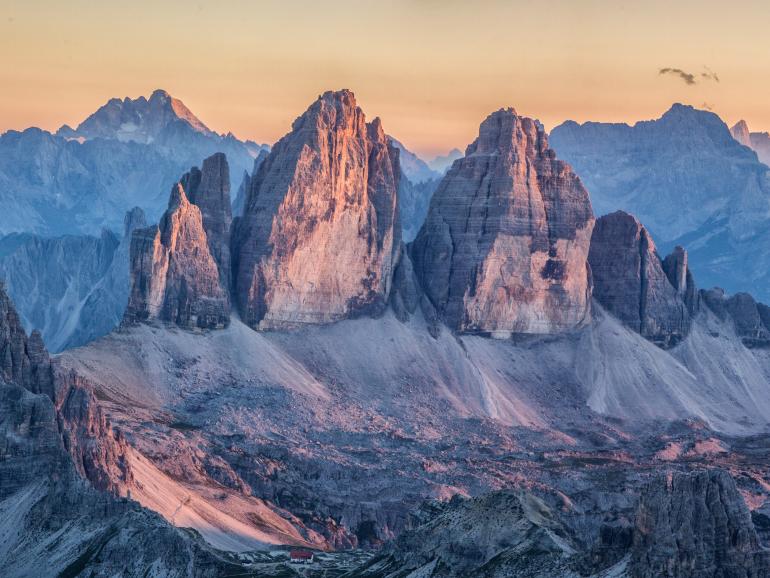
x=432 y=69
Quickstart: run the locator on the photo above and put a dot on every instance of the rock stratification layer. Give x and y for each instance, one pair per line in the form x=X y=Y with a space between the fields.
x=630 y=282
x=320 y=227
x=504 y=247
x=174 y=276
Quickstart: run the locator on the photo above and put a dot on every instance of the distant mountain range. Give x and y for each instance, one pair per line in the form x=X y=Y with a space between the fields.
x=126 y=154
x=690 y=182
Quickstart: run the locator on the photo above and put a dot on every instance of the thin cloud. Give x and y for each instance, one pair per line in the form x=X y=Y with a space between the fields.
x=685 y=76
x=690 y=78
x=709 y=74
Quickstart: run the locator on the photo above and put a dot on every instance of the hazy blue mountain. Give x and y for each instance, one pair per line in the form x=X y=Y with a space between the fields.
x=74 y=288
x=441 y=163
x=416 y=169
x=126 y=154
x=689 y=181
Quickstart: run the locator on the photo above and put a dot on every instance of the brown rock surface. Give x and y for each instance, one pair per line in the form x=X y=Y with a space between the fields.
x=630 y=283
x=320 y=226
x=174 y=276
x=209 y=189
x=504 y=247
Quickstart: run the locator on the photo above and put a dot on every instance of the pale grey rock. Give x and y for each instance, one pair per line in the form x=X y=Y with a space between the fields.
x=504 y=247
x=320 y=229
x=740 y=132
x=208 y=188
x=629 y=280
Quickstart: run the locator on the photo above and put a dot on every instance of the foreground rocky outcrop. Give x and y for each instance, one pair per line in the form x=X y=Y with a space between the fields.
x=696 y=525
x=630 y=281
x=57 y=450
x=504 y=246
x=320 y=226
x=686 y=525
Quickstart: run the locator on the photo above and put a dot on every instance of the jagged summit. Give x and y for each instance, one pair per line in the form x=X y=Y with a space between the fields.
x=320 y=228
x=139 y=120
x=504 y=247
x=757 y=141
x=180 y=267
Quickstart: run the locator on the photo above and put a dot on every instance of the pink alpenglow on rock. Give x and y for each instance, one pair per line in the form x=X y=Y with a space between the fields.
x=320 y=228
x=504 y=246
x=174 y=276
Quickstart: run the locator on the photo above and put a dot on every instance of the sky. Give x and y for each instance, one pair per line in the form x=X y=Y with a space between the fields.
x=431 y=69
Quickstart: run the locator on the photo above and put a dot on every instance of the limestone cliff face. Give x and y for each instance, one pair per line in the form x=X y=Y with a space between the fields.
x=320 y=227
x=629 y=280
x=504 y=246
x=174 y=275
x=208 y=189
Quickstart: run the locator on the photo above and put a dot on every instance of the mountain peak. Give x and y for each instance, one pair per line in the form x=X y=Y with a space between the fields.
x=740 y=132
x=139 y=120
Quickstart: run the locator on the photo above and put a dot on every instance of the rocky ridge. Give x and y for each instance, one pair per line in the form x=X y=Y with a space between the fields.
x=504 y=246
x=630 y=281
x=759 y=142
x=320 y=227
x=687 y=158
x=175 y=276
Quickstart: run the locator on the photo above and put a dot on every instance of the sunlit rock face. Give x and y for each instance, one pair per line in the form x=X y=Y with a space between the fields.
x=208 y=188
x=630 y=281
x=504 y=246
x=174 y=276
x=320 y=227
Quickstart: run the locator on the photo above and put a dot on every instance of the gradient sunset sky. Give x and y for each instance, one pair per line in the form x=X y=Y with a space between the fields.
x=431 y=69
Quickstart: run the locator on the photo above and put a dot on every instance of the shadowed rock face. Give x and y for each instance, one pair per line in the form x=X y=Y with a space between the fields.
x=504 y=246
x=320 y=226
x=630 y=283
x=174 y=276
x=22 y=361
x=695 y=525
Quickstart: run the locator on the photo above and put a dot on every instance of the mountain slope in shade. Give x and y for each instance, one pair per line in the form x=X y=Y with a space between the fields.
x=416 y=169
x=72 y=288
x=687 y=160
x=80 y=183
